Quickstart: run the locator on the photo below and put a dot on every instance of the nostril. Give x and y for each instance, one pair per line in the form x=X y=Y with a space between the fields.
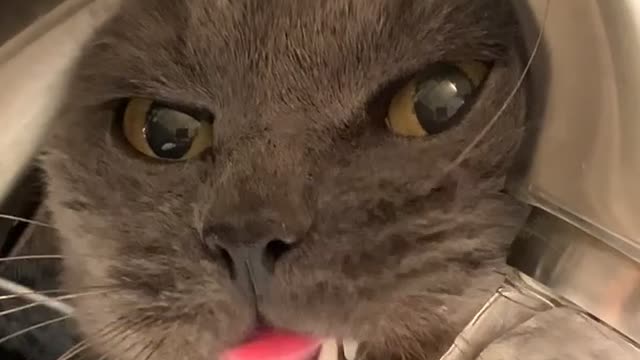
x=276 y=248
x=274 y=251
x=228 y=261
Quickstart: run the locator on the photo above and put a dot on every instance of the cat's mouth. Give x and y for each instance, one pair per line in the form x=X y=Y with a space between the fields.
x=274 y=344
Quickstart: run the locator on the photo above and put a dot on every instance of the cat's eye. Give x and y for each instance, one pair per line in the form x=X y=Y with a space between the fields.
x=435 y=100
x=163 y=132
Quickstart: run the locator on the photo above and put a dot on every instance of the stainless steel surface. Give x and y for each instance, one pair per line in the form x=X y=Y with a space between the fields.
x=514 y=303
x=582 y=269
x=585 y=166
x=582 y=240
x=33 y=70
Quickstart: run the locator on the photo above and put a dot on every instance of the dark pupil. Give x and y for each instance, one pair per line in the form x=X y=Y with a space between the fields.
x=170 y=133
x=440 y=94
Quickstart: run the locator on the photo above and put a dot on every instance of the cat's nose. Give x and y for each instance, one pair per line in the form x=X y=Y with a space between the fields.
x=251 y=266
x=250 y=262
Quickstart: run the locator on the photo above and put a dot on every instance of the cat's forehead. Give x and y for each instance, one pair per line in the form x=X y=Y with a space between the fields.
x=282 y=51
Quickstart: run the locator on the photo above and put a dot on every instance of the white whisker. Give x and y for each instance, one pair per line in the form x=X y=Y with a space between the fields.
x=34 y=327
x=56 y=301
x=47 y=257
x=123 y=336
x=23 y=294
x=75 y=350
x=33 y=296
x=142 y=350
x=85 y=344
x=28 y=221
x=31 y=257
x=465 y=153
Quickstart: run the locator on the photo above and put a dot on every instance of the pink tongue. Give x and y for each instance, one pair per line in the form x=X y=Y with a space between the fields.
x=275 y=345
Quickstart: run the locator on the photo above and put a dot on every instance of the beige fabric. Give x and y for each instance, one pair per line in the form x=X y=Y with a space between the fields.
x=33 y=70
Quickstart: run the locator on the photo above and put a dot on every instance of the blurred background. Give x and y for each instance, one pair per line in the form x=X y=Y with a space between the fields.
x=15 y=15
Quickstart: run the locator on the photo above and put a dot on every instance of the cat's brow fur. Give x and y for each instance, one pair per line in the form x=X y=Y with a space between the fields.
x=391 y=250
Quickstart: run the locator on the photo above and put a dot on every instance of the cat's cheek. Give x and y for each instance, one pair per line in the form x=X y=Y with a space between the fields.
x=200 y=332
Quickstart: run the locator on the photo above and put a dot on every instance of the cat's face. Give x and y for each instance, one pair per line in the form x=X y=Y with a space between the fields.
x=368 y=234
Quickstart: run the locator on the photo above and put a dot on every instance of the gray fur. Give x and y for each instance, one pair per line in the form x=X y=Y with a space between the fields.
x=391 y=250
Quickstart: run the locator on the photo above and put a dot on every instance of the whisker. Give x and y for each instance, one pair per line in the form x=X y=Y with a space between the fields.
x=56 y=299
x=75 y=350
x=121 y=337
x=465 y=153
x=25 y=220
x=32 y=257
x=141 y=351
x=34 y=327
x=85 y=344
x=155 y=349
x=23 y=294
x=33 y=296
x=51 y=291
x=47 y=257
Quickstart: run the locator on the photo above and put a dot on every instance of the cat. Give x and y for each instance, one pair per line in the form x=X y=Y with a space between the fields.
x=220 y=166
